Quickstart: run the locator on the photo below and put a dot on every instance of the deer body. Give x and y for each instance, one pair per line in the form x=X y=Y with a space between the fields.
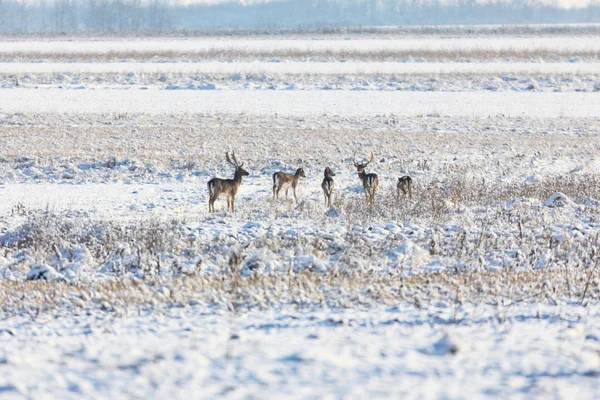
x=328 y=185
x=405 y=186
x=369 y=181
x=226 y=187
x=282 y=180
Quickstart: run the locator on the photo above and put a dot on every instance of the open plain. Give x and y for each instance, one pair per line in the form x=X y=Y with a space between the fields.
x=116 y=281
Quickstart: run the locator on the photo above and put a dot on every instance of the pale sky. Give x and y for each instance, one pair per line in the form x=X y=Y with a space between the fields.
x=557 y=3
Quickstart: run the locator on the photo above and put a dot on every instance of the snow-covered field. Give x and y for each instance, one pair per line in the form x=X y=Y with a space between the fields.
x=334 y=105
x=115 y=281
x=309 y=68
x=314 y=47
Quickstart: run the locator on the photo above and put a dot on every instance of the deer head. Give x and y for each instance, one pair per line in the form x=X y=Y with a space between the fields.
x=361 y=167
x=329 y=173
x=239 y=171
x=300 y=172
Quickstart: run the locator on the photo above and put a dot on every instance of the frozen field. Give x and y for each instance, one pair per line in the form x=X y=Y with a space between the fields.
x=353 y=47
x=333 y=104
x=384 y=62
x=309 y=68
x=115 y=281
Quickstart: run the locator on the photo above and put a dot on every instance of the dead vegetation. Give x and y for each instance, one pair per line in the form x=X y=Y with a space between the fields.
x=314 y=54
x=336 y=288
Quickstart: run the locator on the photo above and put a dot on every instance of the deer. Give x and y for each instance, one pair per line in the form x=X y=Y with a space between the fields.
x=227 y=187
x=404 y=185
x=282 y=180
x=328 y=185
x=369 y=181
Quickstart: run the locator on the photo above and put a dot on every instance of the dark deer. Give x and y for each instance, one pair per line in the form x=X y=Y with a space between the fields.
x=405 y=186
x=281 y=180
x=328 y=185
x=227 y=187
x=369 y=181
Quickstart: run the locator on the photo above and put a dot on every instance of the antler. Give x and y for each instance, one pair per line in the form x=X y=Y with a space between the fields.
x=354 y=160
x=229 y=159
x=234 y=162
x=372 y=157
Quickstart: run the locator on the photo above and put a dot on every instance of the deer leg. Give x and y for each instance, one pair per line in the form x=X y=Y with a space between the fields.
x=232 y=203
x=374 y=190
x=277 y=192
x=211 y=204
x=295 y=198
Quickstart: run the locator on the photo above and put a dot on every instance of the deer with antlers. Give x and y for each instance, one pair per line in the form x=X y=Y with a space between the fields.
x=282 y=180
x=369 y=181
x=227 y=187
x=404 y=185
x=327 y=186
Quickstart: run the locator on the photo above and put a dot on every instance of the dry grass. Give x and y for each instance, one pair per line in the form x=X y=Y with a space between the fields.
x=201 y=138
x=334 y=30
x=471 y=223
x=439 y=198
x=307 y=289
x=293 y=54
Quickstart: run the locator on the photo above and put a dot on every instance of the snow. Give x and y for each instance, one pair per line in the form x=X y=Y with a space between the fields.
x=303 y=103
x=520 y=352
x=331 y=43
x=297 y=68
x=43 y=272
x=116 y=282
x=559 y=200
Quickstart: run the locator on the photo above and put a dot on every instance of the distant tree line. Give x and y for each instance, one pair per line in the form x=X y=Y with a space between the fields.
x=310 y=13
x=71 y=16
x=138 y=16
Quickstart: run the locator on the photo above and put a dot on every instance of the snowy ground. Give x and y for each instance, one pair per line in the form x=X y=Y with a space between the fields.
x=115 y=281
x=315 y=47
x=534 y=351
x=310 y=68
x=335 y=105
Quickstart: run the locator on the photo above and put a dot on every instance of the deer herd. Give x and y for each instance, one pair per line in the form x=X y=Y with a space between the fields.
x=281 y=180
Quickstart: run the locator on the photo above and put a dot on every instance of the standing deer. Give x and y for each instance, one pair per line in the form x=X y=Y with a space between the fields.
x=227 y=187
x=369 y=181
x=405 y=186
x=328 y=185
x=281 y=180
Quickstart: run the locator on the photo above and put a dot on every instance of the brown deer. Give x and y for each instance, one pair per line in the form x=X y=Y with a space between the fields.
x=227 y=187
x=328 y=185
x=369 y=181
x=405 y=186
x=281 y=180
